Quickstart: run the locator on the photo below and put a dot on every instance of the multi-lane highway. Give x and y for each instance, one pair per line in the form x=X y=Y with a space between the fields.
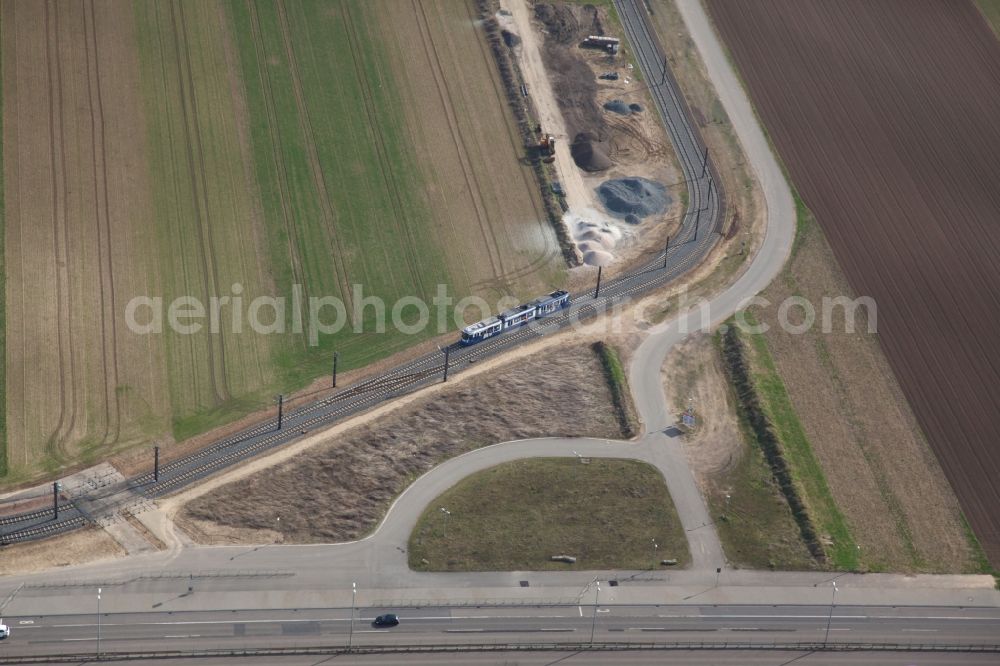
x=335 y=629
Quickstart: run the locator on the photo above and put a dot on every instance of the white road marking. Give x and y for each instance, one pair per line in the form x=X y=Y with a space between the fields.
x=580 y=608
x=289 y=621
x=919 y=629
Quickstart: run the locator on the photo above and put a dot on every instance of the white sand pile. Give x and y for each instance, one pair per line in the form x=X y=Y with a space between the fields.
x=595 y=234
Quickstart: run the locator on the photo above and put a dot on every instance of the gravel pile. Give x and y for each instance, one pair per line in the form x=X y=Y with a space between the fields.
x=636 y=197
x=618 y=106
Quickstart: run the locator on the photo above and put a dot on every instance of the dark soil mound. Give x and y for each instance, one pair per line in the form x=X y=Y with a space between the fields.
x=636 y=108
x=633 y=196
x=618 y=106
x=509 y=38
x=589 y=153
x=568 y=24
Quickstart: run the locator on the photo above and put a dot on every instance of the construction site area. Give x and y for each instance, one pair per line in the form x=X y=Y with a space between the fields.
x=593 y=132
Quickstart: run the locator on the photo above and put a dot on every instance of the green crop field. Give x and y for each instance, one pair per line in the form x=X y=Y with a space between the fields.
x=290 y=149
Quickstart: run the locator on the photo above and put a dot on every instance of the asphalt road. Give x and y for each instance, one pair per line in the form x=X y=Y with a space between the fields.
x=629 y=658
x=185 y=631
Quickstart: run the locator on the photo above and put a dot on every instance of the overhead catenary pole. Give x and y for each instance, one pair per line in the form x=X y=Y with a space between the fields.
x=350 y=636
x=597 y=291
x=98 y=624
x=447 y=351
x=156 y=464
x=336 y=356
x=666 y=249
x=704 y=163
x=281 y=409
x=593 y=621
x=55 y=500
x=829 y=619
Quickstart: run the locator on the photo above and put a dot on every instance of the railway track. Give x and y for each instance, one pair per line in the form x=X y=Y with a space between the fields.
x=695 y=239
x=43 y=530
x=24 y=517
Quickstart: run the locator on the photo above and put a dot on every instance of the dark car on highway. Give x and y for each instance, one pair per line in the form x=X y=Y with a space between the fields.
x=387 y=620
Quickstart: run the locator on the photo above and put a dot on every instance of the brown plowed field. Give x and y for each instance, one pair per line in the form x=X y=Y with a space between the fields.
x=886 y=115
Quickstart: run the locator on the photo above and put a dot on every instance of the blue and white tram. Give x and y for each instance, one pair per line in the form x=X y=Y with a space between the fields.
x=522 y=314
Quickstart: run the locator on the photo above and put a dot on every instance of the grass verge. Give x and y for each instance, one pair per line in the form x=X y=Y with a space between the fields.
x=516 y=516
x=775 y=426
x=754 y=521
x=614 y=372
x=991 y=12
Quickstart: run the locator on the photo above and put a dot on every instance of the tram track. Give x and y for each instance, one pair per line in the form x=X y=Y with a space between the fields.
x=694 y=241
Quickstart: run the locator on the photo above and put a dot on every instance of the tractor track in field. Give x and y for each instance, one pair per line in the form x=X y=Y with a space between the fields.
x=385 y=168
x=312 y=158
x=695 y=240
x=196 y=166
x=60 y=236
x=531 y=183
x=441 y=85
x=108 y=301
x=274 y=134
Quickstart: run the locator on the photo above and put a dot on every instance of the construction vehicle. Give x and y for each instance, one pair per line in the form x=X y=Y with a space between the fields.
x=547 y=148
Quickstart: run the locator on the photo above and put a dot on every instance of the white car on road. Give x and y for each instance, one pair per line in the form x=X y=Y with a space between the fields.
x=4 y=630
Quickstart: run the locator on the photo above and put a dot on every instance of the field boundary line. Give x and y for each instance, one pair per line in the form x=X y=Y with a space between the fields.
x=433 y=59
x=196 y=166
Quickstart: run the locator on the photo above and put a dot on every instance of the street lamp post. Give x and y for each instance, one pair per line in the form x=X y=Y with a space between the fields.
x=350 y=635
x=98 y=624
x=656 y=547
x=829 y=619
x=446 y=513
x=593 y=622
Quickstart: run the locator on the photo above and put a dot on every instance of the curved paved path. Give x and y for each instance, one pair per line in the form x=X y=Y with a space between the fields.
x=656 y=448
